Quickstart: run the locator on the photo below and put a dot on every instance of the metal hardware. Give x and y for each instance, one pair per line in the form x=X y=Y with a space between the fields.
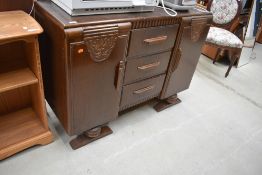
x=149 y=66
x=120 y=75
x=156 y=40
x=143 y=90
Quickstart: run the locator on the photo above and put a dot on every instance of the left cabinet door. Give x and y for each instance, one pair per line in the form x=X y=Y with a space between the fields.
x=96 y=72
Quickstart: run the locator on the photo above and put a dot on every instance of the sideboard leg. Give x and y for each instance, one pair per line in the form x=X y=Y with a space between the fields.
x=90 y=136
x=164 y=104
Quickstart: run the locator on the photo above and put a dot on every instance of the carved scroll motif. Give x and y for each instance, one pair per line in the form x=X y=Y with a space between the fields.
x=101 y=41
x=198 y=26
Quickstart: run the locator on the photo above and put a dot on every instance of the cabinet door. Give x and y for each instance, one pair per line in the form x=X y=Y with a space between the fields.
x=96 y=76
x=186 y=54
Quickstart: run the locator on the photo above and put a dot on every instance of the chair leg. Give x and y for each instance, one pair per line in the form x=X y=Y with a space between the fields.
x=216 y=57
x=232 y=62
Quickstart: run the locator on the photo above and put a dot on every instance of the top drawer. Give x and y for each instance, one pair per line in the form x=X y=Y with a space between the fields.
x=152 y=40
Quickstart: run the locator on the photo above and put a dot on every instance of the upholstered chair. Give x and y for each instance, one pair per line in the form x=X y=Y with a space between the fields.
x=224 y=14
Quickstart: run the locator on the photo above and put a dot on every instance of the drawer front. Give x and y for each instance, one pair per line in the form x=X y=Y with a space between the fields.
x=146 y=67
x=152 y=40
x=142 y=91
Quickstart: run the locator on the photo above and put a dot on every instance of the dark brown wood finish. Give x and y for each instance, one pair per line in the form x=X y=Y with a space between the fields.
x=141 y=91
x=192 y=35
x=103 y=75
x=7 y=5
x=146 y=67
x=85 y=138
x=152 y=40
x=167 y=103
x=96 y=66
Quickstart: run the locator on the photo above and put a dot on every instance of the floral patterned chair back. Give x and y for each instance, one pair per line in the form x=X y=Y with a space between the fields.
x=224 y=11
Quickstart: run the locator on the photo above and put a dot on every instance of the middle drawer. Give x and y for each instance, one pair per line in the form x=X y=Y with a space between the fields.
x=146 y=67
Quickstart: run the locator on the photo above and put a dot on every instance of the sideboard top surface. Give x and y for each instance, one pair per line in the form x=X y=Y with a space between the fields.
x=67 y=21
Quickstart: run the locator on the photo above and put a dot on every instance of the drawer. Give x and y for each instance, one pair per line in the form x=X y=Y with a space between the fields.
x=142 y=91
x=146 y=67
x=152 y=40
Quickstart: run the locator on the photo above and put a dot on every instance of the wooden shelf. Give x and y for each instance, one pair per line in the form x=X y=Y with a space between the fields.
x=15 y=79
x=23 y=121
x=19 y=126
x=17 y=24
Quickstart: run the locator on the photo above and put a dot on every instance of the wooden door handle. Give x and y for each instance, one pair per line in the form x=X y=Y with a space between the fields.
x=149 y=66
x=143 y=90
x=156 y=40
x=120 y=75
x=177 y=59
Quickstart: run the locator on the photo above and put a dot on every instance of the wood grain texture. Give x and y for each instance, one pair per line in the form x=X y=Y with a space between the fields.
x=9 y=100
x=17 y=24
x=84 y=72
x=82 y=68
x=18 y=126
x=41 y=139
x=185 y=55
x=23 y=121
x=209 y=51
x=141 y=91
x=146 y=67
x=147 y=41
x=167 y=103
x=7 y=5
x=83 y=139
x=16 y=79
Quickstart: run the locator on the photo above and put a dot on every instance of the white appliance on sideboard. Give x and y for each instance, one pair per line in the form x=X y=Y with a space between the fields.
x=93 y=7
x=180 y=4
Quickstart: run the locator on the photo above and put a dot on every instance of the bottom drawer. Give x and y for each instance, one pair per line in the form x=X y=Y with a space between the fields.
x=142 y=91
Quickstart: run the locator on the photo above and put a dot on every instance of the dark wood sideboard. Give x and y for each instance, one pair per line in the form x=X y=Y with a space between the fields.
x=96 y=66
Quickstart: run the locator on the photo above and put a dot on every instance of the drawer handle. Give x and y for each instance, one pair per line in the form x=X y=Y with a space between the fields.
x=149 y=66
x=156 y=40
x=140 y=91
x=120 y=75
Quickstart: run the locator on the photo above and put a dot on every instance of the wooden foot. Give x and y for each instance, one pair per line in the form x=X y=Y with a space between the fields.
x=90 y=136
x=164 y=104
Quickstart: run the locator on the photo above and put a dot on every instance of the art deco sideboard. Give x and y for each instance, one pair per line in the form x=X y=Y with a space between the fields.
x=96 y=66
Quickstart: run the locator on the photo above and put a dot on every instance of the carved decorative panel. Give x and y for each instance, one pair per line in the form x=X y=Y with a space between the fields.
x=154 y=22
x=100 y=41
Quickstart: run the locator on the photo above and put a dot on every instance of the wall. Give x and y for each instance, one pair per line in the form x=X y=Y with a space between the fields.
x=6 y=5
x=250 y=29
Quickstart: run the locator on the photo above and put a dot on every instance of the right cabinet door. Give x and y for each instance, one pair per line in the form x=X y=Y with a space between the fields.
x=191 y=38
